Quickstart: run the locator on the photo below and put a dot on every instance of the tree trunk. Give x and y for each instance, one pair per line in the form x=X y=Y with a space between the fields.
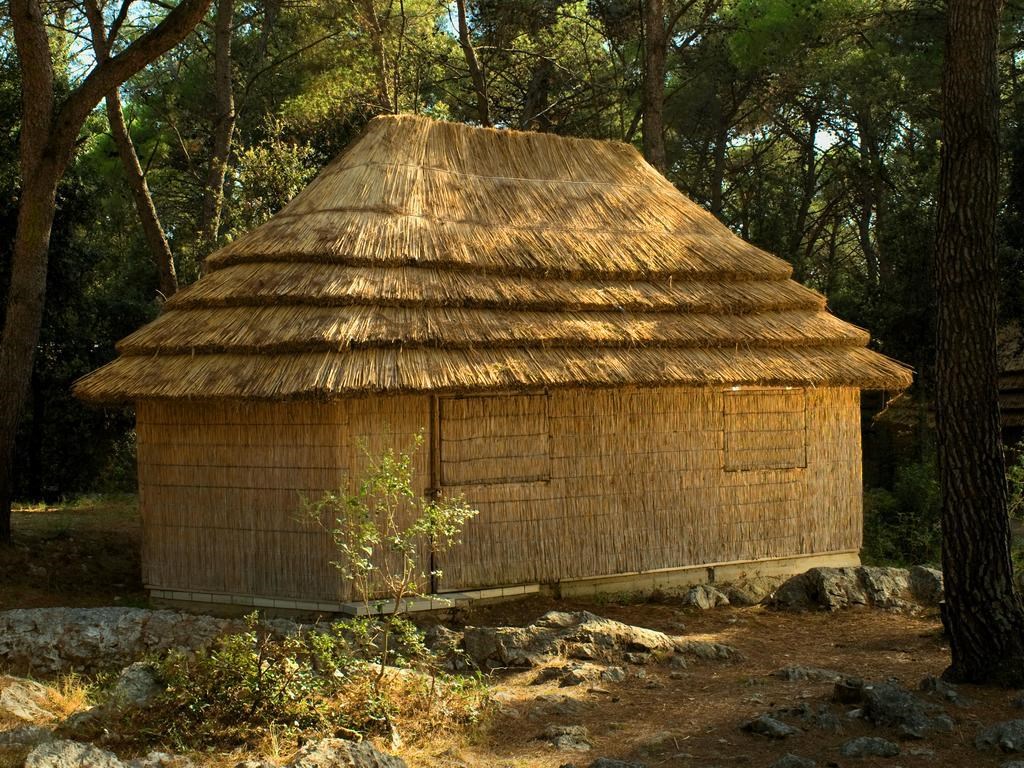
x=655 y=40
x=476 y=71
x=159 y=249
x=380 y=59
x=985 y=618
x=156 y=240
x=46 y=144
x=535 y=104
x=223 y=129
x=25 y=296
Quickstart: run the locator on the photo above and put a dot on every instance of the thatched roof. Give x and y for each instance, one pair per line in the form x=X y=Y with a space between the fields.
x=439 y=257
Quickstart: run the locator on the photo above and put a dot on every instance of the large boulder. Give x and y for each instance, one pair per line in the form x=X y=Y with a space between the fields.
x=579 y=635
x=836 y=588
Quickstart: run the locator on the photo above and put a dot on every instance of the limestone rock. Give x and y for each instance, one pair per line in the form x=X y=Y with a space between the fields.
x=705 y=596
x=570 y=738
x=887 y=587
x=1007 y=736
x=161 y=760
x=836 y=588
x=890 y=705
x=24 y=699
x=340 y=753
x=71 y=754
x=868 y=746
x=926 y=585
x=766 y=725
x=793 y=761
x=753 y=590
x=809 y=674
x=555 y=705
x=26 y=736
x=136 y=686
x=830 y=588
x=578 y=635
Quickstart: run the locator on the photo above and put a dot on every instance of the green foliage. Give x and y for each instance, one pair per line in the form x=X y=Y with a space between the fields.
x=1015 y=482
x=302 y=685
x=902 y=525
x=383 y=529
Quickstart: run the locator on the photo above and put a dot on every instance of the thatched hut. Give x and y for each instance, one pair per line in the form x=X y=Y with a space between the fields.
x=626 y=390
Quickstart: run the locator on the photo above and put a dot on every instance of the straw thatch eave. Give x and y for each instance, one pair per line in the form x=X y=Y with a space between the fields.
x=439 y=257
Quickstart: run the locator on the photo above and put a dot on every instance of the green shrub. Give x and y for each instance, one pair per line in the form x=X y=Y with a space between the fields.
x=902 y=525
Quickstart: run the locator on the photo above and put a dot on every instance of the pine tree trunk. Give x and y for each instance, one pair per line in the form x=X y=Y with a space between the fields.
x=476 y=71
x=985 y=618
x=654 y=83
x=223 y=129
x=156 y=240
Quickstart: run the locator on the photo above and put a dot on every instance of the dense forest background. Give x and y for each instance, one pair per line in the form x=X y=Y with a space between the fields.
x=811 y=127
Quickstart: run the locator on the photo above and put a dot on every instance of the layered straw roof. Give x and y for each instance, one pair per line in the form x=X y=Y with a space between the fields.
x=437 y=257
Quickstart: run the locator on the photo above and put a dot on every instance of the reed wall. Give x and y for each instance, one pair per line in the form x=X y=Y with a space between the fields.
x=570 y=484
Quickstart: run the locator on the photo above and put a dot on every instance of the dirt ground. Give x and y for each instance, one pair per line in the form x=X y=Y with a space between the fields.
x=659 y=715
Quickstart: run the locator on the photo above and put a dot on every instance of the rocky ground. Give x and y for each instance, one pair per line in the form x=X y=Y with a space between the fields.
x=834 y=668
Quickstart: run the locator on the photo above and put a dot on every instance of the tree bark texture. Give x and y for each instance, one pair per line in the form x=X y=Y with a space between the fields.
x=156 y=240
x=985 y=618
x=476 y=70
x=223 y=129
x=46 y=144
x=655 y=42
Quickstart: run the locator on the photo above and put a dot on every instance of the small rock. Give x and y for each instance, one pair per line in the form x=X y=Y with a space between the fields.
x=613 y=675
x=608 y=762
x=570 y=738
x=255 y=764
x=136 y=686
x=71 y=754
x=793 y=761
x=26 y=736
x=1012 y=764
x=752 y=591
x=704 y=596
x=660 y=744
x=161 y=760
x=1007 y=736
x=888 y=704
x=809 y=674
x=926 y=585
x=765 y=725
x=24 y=699
x=340 y=753
x=555 y=705
x=868 y=746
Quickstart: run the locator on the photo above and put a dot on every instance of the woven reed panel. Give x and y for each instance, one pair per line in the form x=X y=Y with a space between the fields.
x=494 y=439
x=635 y=480
x=639 y=482
x=221 y=486
x=765 y=429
